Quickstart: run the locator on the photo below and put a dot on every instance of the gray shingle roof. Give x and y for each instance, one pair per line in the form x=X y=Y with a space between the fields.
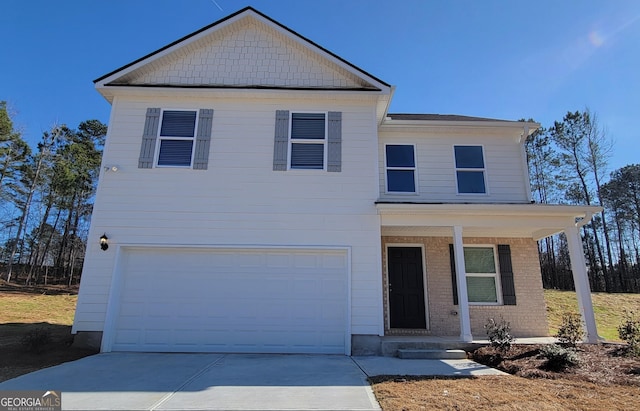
x=439 y=117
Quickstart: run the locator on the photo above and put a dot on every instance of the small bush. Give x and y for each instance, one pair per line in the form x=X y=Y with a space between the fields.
x=570 y=331
x=36 y=339
x=629 y=331
x=499 y=334
x=558 y=357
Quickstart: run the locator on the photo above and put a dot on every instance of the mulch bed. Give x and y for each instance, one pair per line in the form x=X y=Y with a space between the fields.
x=604 y=364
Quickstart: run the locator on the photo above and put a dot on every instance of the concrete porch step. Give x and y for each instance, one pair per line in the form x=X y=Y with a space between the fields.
x=421 y=354
x=391 y=345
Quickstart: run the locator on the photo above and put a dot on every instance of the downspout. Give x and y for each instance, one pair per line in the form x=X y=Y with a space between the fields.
x=386 y=109
x=525 y=163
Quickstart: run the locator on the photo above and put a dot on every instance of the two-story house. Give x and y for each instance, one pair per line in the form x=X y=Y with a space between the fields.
x=257 y=196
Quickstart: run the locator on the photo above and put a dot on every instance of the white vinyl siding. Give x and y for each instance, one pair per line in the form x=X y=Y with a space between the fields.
x=483 y=283
x=238 y=200
x=435 y=167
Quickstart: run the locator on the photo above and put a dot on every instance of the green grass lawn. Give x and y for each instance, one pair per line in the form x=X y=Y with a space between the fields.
x=30 y=308
x=609 y=310
x=59 y=309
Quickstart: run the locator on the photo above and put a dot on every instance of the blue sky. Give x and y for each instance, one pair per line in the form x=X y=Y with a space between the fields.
x=506 y=59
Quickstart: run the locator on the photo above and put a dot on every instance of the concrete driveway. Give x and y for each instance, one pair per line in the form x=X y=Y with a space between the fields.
x=146 y=381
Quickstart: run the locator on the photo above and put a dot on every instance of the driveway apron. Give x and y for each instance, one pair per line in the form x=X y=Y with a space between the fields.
x=146 y=381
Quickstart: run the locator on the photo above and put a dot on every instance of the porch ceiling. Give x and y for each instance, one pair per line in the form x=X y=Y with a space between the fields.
x=481 y=220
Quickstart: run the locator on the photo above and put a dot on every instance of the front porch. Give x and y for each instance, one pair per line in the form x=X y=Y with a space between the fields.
x=427 y=263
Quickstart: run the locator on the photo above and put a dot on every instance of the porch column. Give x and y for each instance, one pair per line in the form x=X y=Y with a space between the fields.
x=461 y=280
x=581 y=281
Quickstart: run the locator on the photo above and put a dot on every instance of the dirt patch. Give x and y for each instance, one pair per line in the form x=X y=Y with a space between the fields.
x=604 y=379
x=44 y=309
x=15 y=360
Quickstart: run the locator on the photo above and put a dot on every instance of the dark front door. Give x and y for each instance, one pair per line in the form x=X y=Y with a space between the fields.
x=406 y=287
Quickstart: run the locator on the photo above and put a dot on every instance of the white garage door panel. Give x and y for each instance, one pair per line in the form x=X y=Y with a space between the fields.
x=230 y=300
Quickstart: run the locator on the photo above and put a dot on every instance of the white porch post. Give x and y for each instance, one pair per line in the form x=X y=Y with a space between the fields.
x=461 y=280
x=581 y=281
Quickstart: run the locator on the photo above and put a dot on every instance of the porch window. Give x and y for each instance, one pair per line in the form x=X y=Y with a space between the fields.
x=482 y=275
x=401 y=168
x=470 y=169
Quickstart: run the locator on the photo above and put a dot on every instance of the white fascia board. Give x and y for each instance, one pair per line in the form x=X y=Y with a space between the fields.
x=390 y=125
x=546 y=210
x=109 y=92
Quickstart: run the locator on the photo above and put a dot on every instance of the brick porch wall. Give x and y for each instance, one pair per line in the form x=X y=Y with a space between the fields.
x=528 y=318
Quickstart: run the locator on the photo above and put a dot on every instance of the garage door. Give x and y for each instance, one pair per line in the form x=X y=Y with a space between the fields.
x=231 y=300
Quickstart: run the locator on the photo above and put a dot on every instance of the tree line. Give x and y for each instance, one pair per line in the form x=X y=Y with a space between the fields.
x=568 y=164
x=46 y=199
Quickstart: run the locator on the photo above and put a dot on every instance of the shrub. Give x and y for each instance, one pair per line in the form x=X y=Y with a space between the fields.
x=558 y=357
x=36 y=339
x=570 y=331
x=499 y=333
x=629 y=331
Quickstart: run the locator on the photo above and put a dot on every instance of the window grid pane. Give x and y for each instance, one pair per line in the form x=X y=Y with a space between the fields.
x=400 y=156
x=479 y=260
x=469 y=157
x=402 y=181
x=175 y=152
x=482 y=289
x=471 y=182
x=307 y=156
x=178 y=123
x=308 y=126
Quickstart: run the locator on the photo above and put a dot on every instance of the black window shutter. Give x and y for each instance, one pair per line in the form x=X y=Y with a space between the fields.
x=454 y=280
x=506 y=275
x=281 y=141
x=334 y=136
x=203 y=140
x=149 y=135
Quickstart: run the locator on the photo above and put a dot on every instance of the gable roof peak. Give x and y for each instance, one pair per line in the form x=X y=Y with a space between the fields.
x=325 y=70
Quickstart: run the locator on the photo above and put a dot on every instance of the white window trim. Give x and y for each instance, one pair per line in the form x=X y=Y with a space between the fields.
x=414 y=169
x=308 y=141
x=484 y=170
x=495 y=275
x=160 y=138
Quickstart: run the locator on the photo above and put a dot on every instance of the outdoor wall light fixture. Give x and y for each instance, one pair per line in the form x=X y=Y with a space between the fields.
x=103 y=242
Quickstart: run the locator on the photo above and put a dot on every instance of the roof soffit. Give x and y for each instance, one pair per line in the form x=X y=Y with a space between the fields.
x=244 y=50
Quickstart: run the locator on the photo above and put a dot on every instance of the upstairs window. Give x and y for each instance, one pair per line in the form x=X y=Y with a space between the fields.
x=176 y=138
x=470 y=169
x=400 y=168
x=308 y=141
